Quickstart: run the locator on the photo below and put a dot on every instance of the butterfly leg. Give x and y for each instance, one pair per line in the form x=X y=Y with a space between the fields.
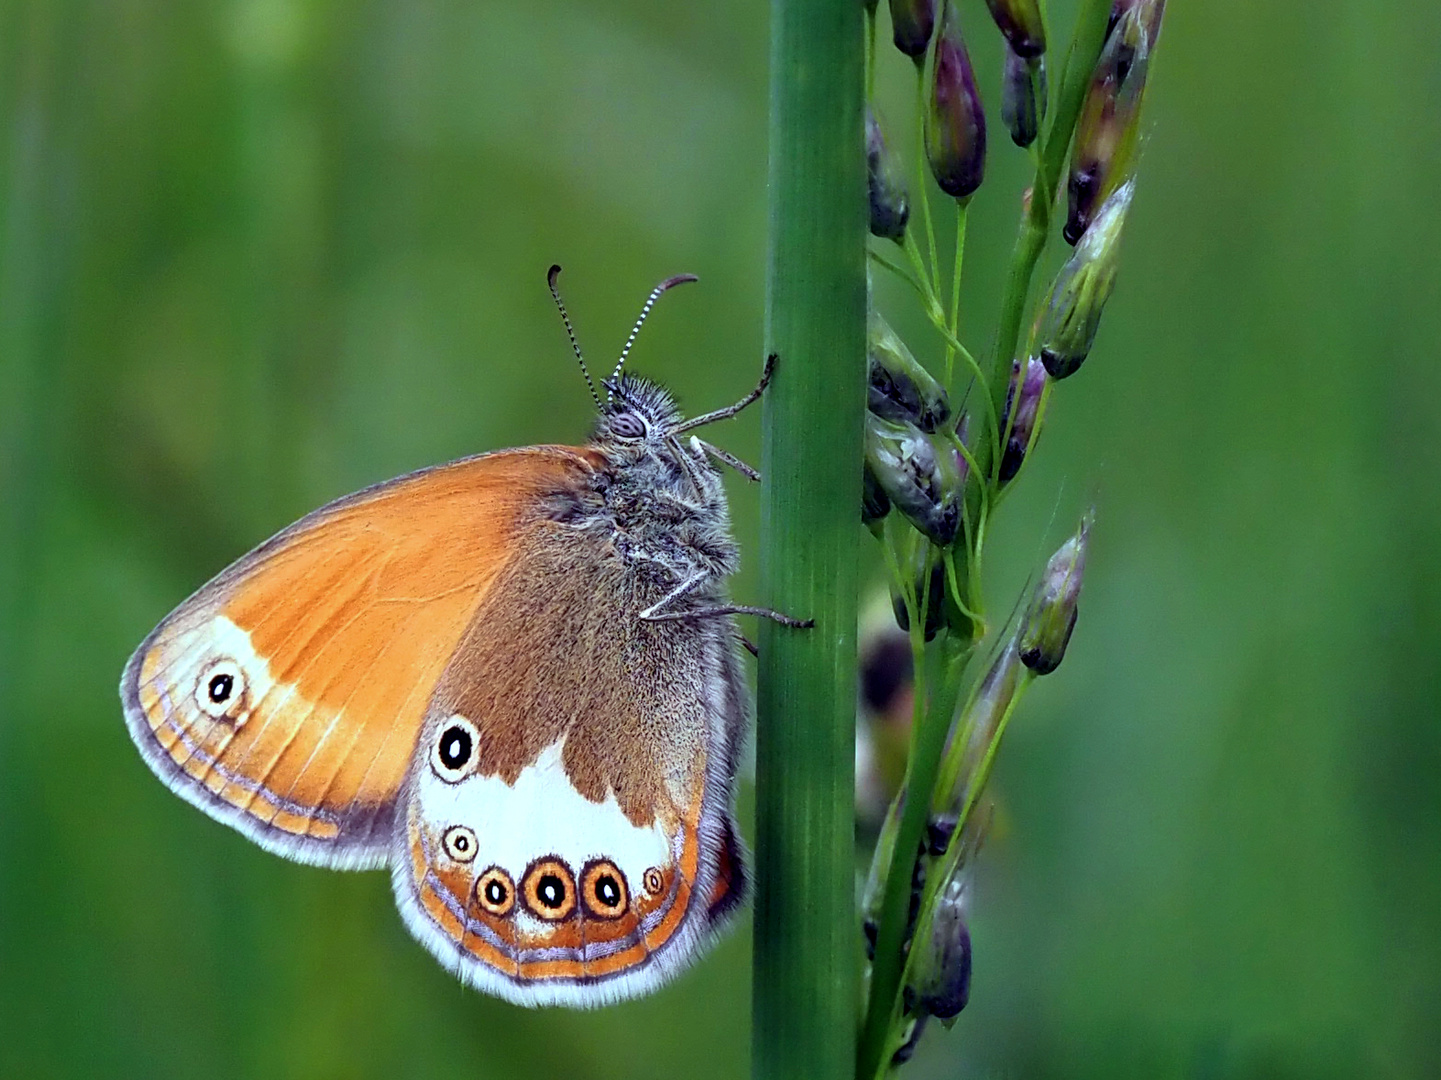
x=655 y=614
x=731 y=410
x=726 y=458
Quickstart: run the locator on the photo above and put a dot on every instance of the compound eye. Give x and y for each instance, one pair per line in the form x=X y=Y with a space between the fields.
x=627 y=426
x=453 y=753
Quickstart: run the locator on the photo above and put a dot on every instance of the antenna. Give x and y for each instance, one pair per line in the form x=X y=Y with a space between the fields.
x=655 y=294
x=550 y=277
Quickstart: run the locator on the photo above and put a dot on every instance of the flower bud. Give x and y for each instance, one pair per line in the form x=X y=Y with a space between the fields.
x=1020 y=21
x=930 y=593
x=955 y=121
x=912 y=22
x=1051 y=616
x=977 y=726
x=1108 y=126
x=1022 y=422
x=940 y=983
x=1023 y=97
x=920 y=479
x=1068 y=325
x=890 y=205
x=900 y=389
x=1150 y=12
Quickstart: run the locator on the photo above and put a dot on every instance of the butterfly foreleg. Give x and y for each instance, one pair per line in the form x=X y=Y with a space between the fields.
x=654 y=613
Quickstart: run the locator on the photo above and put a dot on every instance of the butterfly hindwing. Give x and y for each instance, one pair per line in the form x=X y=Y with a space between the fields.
x=568 y=836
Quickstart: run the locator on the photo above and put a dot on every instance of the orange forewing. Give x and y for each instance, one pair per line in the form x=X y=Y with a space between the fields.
x=351 y=615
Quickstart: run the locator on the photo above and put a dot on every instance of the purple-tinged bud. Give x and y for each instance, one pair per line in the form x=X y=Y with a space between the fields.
x=1023 y=423
x=907 y=1049
x=1078 y=297
x=920 y=478
x=1020 y=21
x=1051 y=615
x=890 y=205
x=1108 y=126
x=1150 y=12
x=940 y=983
x=912 y=22
x=1023 y=97
x=955 y=120
x=875 y=504
x=899 y=388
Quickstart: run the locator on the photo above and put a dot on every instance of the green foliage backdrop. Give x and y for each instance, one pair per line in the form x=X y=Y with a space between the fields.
x=257 y=253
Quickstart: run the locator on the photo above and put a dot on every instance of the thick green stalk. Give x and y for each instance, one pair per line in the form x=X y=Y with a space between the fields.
x=1085 y=48
x=806 y=935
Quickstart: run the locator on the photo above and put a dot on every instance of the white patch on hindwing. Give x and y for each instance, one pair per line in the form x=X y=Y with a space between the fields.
x=541 y=814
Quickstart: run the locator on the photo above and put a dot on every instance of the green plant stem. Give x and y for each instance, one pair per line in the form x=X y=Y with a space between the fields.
x=1035 y=224
x=807 y=941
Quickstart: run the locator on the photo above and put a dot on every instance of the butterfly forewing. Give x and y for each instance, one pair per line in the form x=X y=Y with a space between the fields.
x=286 y=696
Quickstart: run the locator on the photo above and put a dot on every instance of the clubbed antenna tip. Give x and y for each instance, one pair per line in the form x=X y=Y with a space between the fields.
x=655 y=294
x=550 y=277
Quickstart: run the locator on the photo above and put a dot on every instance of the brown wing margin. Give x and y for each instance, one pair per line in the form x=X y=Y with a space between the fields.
x=339 y=628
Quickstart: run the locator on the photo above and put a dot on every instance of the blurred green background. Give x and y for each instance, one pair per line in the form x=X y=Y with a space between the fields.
x=257 y=253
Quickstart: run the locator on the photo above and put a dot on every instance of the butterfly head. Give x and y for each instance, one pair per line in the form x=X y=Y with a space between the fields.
x=638 y=412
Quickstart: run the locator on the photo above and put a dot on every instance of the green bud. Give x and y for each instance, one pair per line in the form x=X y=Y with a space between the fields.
x=978 y=726
x=1023 y=97
x=929 y=593
x=912 y=22
x=900 y=389
x=1108 y=127
x=1020 y=21
x=1051 y=616
x=1072 y=314
x=940 y=983
x=920 y=478
x=889 y=203
x=955 y=120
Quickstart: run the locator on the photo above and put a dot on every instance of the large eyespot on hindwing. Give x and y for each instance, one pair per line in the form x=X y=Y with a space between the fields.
x=495 y=892
x=548 y=890
x=220 y=691
x=603 y=891
x=453 y=751
x=459 y=843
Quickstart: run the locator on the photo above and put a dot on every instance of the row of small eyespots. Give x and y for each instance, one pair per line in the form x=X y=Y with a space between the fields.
x=547 y=888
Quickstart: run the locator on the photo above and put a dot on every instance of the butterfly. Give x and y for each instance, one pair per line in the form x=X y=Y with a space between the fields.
x=512 y=679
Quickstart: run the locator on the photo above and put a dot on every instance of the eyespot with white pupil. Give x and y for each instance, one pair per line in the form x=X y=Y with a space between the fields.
x=627 y=426
x=220 y=689
x=495 y=892
x=602 y=890
x=459 y=843
x=548 y=890
x=453 y=752
x=653 y=880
